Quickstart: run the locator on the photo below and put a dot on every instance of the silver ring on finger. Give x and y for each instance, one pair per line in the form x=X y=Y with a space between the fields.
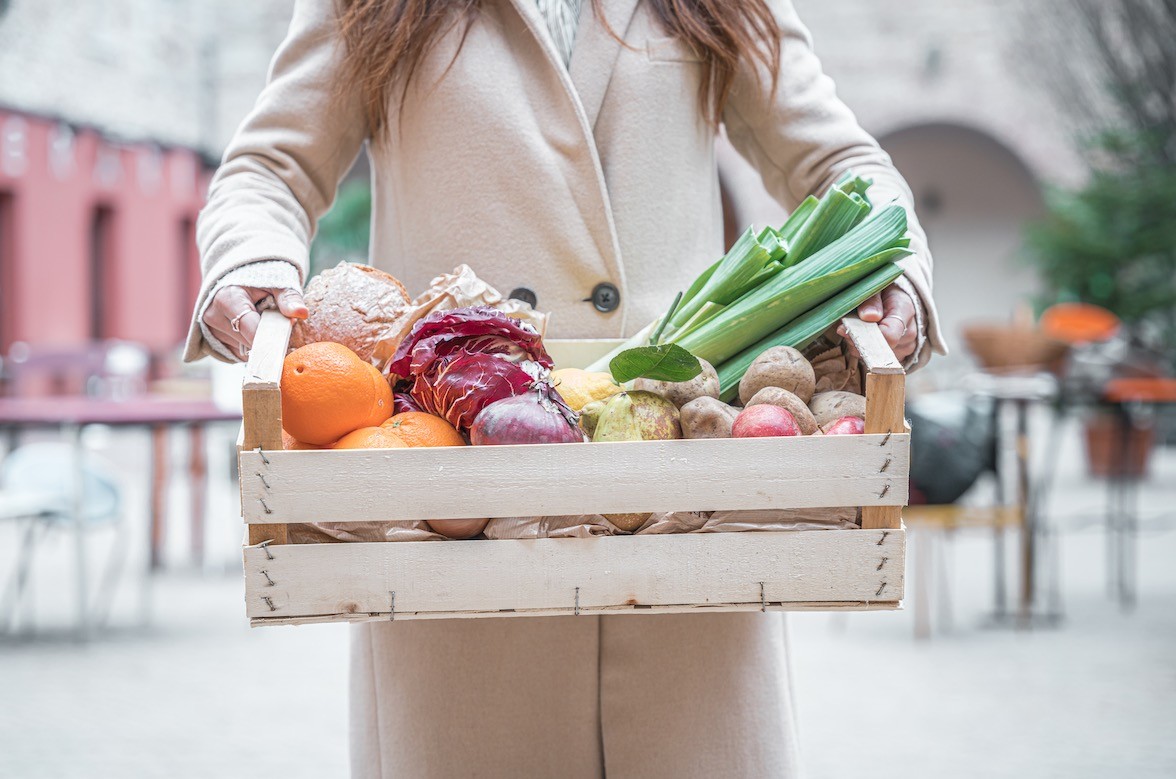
x=235 y=322
x=900 y=319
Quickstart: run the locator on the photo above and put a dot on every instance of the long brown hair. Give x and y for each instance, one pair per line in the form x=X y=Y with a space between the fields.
x=385 y=40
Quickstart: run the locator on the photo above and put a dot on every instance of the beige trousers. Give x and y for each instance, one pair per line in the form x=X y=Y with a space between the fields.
x=698 y=695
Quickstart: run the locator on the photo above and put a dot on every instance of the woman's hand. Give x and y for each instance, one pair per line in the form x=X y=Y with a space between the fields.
x=894 y=311
x=233 y=314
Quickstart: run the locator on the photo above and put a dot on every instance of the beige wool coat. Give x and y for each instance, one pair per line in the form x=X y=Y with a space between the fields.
x=554 y=179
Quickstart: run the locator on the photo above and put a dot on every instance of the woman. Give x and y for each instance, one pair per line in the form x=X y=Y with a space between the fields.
x=566 y=153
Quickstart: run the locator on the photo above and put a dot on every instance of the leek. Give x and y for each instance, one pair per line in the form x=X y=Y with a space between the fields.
x=791 y=293
x=739 y=266
x=786 y=285
x=835 y=216
x=807 y=328
x=797 y=219
x=737 y=327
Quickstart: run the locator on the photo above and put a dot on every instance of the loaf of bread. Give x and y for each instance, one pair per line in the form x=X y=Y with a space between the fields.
x=355 y=305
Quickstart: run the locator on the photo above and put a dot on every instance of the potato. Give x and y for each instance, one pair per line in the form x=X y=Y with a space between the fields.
x=704 y=385
x=830 y=406
x=707 y=417
x=780 y=366
x=627 y=522
x=774 y=396
x=458 y=528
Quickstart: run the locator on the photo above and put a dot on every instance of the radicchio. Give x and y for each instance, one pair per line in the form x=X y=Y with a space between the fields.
x=455 y=363
x=474 y=329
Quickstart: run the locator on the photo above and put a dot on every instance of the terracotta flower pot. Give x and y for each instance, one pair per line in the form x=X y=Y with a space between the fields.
x=1105 y=452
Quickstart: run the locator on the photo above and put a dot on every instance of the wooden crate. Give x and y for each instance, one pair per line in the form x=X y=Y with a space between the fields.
x=812 y=569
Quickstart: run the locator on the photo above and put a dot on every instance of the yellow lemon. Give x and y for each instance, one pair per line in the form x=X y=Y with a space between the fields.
x=578 y=387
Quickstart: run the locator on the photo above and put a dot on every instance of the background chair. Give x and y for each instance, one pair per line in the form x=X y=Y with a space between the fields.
x=54 y=486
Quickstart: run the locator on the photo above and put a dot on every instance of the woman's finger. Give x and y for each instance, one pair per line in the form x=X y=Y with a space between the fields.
x=291 y=304
x=229 y=308
x=898 y=317
x=234 y=303
x=871 y=309
x=232 y=341
x=248 y=327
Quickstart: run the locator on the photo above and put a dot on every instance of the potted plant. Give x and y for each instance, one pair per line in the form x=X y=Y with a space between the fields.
x=1112 y=242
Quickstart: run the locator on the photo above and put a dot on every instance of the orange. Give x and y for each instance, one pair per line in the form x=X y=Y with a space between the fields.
x=290 y=442
x=328 y=391
x=370 y=438
x=416 y=428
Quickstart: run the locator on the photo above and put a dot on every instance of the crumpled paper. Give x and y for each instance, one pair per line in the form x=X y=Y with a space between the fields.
x=458 y=289
x=835 y=370
x=588 y=525
x=334 y=532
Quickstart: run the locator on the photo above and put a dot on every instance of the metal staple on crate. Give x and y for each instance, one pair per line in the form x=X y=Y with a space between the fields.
x=885 y=489
x=885 y=465
x=879 y=592
x=265 y=483
x=883 y=538
x=265 y=506
x=269 y=603
x=885 y=440
x=577 y=601
x=261 y=453
x=268 y=581
x=763 y=599
x=391 y=605
x=265 y=548
x=884 y=559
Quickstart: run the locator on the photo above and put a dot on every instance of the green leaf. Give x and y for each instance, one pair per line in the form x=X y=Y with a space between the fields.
x=668 y=362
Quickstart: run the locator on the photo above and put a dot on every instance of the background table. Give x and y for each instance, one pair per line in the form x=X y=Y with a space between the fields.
x=157 y=413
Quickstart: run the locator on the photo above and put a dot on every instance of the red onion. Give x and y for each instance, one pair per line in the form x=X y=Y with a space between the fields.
x=538 y=416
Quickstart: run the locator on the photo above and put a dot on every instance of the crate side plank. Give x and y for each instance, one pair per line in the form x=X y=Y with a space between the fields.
x=555 y=480
x=872 y=347
x=555 y=574
x=261 y=400
x=885 y=414
x=717 y=608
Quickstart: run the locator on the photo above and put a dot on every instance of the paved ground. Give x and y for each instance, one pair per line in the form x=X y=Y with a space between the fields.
x=198 y=694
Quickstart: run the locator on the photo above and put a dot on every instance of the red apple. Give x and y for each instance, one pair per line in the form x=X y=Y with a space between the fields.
x=764 y=421
x=846 y=426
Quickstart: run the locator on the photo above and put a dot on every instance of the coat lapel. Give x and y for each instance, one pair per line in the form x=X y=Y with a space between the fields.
x=585 y=82
x=594 y=53
x=596 y=49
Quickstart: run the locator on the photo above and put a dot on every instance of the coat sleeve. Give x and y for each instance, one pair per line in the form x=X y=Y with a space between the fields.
x=283 y=166
x=802 y=137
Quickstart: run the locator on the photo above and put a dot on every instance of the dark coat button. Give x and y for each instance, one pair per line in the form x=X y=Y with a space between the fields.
x=525 y=295
x=605 y=297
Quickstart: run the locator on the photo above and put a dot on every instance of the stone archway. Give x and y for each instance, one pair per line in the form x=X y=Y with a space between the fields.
x=974 y=196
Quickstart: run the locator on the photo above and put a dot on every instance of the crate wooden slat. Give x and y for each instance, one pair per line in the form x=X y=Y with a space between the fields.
x=826 y=569
x=613 y=574
x=562 y=479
